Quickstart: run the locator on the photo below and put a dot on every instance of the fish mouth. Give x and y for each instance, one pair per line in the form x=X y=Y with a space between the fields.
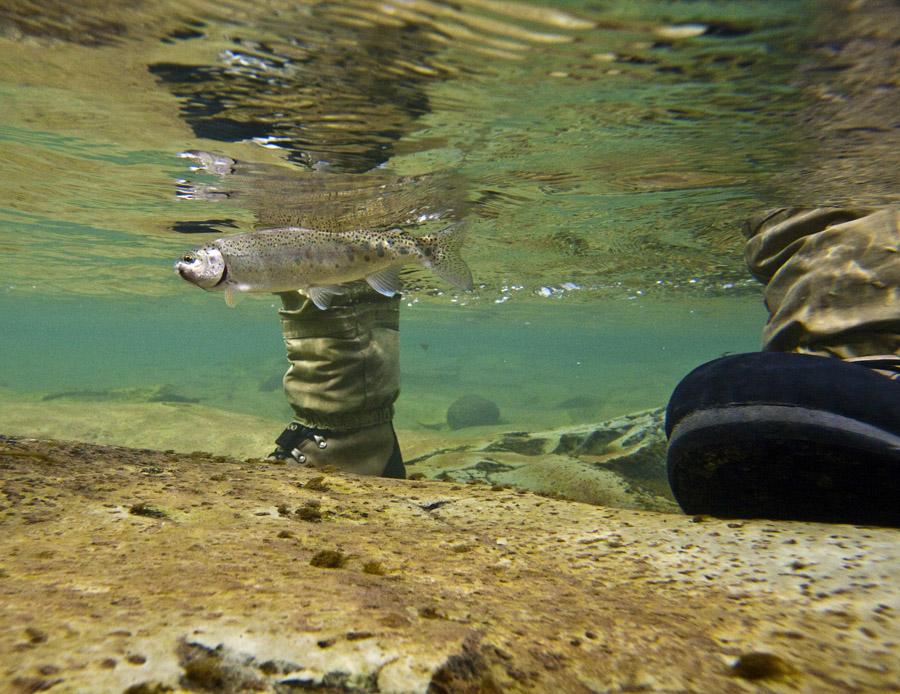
x=183 y=271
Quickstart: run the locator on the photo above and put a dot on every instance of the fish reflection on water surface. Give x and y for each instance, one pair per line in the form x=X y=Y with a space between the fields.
x=281 y=196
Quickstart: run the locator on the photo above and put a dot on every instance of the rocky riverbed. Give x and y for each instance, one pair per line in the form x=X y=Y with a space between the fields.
x=128 y=571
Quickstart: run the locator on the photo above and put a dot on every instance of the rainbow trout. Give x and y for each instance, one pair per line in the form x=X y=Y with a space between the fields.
x=318 y=262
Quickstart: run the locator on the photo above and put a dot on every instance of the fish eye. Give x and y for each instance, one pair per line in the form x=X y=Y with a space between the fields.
x=189 y=258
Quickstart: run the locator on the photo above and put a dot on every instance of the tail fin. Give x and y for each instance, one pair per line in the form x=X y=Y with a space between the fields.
x=440 y=252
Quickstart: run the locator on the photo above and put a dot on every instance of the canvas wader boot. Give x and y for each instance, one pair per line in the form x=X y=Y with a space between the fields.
x=809 y=428
x=343 y=379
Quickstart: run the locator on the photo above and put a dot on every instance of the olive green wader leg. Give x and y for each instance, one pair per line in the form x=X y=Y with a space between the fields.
x=343 y=379
x=832 y=279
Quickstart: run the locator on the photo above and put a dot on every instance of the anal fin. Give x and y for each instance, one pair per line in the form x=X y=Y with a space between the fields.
x=385 y=281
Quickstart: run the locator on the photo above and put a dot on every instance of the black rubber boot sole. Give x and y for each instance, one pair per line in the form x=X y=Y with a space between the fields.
x=786 y=436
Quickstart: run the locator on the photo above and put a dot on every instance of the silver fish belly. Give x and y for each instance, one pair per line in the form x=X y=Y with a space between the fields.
x=317 y=262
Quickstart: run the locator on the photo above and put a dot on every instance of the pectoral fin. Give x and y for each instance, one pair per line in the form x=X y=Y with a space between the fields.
x=233 y=295
x=322 y=296
x=386 y=281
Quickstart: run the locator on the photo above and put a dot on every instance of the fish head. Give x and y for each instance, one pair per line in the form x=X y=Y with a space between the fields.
x=204 y=267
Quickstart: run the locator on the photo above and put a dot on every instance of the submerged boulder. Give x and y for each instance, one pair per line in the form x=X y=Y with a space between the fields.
x=472 y=411
x=619 y=462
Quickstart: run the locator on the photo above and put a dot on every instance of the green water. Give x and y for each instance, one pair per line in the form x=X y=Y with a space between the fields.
x=530 y=359
x=608 y=163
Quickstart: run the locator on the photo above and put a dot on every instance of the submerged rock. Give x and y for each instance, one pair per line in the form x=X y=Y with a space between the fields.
x=620 y=462
x=579 y=402
x=164 y=392
x=447 y=588
x=472 y=411
x=518 y=442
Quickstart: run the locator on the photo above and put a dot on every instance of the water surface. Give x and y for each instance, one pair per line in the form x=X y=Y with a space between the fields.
x=604 y=153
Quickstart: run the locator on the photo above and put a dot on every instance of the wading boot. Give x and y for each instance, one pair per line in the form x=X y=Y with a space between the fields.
x=372 y=450
x=809 y=428
x=787 y=436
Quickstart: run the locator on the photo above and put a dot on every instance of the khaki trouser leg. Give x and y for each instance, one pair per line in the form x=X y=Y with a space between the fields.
x=344 y=377
x=832 y=279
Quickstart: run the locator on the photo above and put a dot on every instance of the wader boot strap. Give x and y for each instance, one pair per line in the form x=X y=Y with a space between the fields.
x=296 y=434
x=371 y=450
